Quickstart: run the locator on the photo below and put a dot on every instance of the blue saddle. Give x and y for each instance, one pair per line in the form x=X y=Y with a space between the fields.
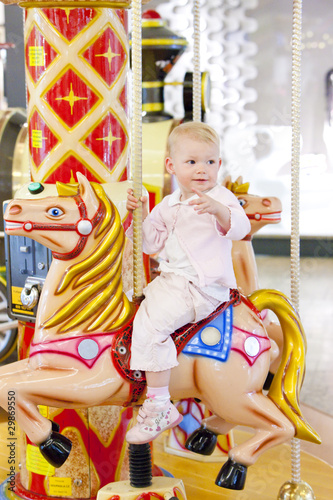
x=213 y=340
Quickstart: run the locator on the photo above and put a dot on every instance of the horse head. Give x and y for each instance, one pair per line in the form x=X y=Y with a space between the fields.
x=260 y=210
x=72 y=211
x=83 y=229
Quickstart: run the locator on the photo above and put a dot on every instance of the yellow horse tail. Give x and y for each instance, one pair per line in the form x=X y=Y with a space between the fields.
x=287 y=382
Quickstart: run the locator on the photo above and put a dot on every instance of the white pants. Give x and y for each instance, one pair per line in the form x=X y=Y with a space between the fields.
x=170 y=302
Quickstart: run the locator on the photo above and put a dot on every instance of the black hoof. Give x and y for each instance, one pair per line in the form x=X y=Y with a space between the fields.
x=55 y=426
x=202 y=441
x=268 y=381
x=56 y=449
x=232 y=476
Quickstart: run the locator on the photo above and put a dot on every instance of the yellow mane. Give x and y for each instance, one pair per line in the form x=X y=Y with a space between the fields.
x=98 y=296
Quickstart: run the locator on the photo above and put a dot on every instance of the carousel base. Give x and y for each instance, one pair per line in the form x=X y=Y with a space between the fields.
x=163 y=488
x=263 y=482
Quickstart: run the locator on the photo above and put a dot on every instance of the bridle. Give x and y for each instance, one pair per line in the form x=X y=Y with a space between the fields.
x=83 y=227
x=258 y=216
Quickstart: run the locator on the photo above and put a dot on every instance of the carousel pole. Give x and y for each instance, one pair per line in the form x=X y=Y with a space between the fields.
x=141 y=483
x=77 y=63
x=136 y=146
x=295 y=489
x=196 y=62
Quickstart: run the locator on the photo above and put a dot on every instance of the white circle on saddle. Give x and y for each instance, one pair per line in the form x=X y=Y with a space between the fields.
x=210 y=335
x=84 y=227
x=88 y=349
x=251 y=346
x=27 y=226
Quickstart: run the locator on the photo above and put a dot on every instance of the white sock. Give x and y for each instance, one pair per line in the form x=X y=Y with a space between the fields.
x=160 y=395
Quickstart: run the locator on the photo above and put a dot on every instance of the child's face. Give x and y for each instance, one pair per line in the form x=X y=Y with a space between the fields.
x=195 y=164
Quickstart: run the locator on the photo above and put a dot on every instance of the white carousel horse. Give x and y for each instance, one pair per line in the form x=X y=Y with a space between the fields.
x=81 y=342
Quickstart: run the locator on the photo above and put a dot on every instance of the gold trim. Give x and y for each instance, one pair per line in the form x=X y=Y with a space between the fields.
x=77 y=157
x=51 y=26
x=100 y=97
x=74 y=4
x=122 y=38
x=152 y=85
x=152 y=106
x=58 y=137
x=174 y=83
x=27 y=34
x=156 y=190
x=153 y=23
x=164 y=41
x=124 y=153
x=204 y=89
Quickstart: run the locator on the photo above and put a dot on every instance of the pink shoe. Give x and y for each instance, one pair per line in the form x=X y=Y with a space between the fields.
x=152 y=421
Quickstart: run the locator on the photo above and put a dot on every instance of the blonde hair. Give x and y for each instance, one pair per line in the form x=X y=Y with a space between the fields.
x=195 y=130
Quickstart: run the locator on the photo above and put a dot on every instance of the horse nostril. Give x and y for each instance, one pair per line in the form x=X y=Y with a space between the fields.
x=266 y=202
x=15 y=210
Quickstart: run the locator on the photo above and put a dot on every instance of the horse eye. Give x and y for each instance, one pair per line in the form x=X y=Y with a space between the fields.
x=55 y=211
x=242 y=202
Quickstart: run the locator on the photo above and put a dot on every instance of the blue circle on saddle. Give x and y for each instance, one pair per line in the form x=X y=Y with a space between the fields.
x=213 y=340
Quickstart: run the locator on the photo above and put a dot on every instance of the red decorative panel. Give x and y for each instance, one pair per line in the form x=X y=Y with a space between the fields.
x=38 y=54
x=107 y=56
x=80 y=95
x=67 y=169
x=108 y=140
x=123 y=98
x=71 y=98
x=122 y=14
x=69 y=22
x=41 y=139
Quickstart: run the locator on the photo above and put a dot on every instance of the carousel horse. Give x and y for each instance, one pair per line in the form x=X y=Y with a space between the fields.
x=81 y=346
x=260 y=211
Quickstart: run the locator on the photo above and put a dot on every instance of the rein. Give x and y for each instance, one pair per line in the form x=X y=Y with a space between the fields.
x=258 y=216
x=83 y=227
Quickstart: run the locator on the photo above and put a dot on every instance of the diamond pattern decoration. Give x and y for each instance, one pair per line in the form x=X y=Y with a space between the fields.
x=71 y=98
x=41 y=139
x=123 y=98
x=67 y=168
x=107 y=56
x=107 y=141
x=69 y=21
x=39 y=54
x=122 y=14
x=77 y=109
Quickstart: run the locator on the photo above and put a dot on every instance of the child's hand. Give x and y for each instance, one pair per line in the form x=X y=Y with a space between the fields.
x=205 y=204
x=132 y=203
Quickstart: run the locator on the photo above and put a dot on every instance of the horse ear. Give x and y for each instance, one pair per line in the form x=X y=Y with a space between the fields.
x=87 y=194
x=239 y=180
x=226 y=181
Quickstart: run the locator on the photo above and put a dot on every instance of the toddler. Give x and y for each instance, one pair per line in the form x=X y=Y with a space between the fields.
x=194 y=226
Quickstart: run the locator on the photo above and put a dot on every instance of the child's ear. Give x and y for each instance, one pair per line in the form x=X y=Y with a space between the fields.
x=169 y=165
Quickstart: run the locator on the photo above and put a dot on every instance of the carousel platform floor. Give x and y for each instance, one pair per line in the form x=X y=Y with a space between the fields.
x=264 y=478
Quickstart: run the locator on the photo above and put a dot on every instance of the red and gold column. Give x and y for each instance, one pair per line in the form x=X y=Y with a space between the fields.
x=76 y=74
x=77 y=60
